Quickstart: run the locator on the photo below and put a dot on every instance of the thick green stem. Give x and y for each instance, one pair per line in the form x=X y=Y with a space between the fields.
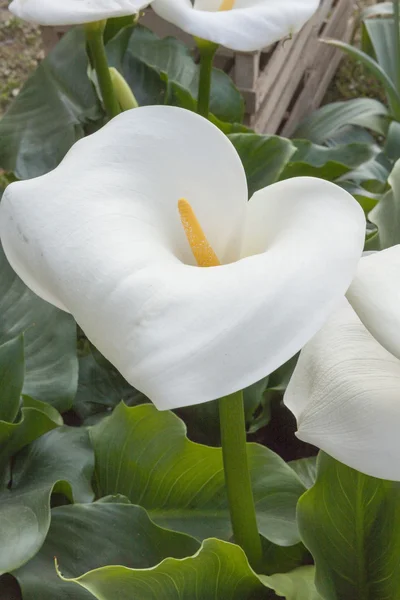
x=207 y=53
x=94 y=36
x=396 y=49
x=237 y=478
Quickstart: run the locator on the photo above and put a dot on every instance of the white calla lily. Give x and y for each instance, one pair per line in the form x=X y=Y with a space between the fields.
x=101 y=236
x=345 y=389
x=242 y=25
x=73 y=12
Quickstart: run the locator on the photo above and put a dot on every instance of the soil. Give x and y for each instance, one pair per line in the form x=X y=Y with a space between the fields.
x=20 y=51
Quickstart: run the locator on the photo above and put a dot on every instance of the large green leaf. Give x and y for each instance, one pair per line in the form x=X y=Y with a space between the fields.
x=50 y=112
x=264 y=157
x=163 y=71
x=297 y=585
x=351 y=524
x=219 y=570
x=12 y=367
x=313 y=160
x=145 y=455
x=120 y=534
x=62 y=461
x=51 y=365
x=101 y=387
x=36 y=419
x=327 y=121
x=386 y=214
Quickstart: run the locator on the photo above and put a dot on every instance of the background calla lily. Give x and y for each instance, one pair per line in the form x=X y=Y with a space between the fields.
x=242 y=25
x=101 y=237
x=345 y=391
x=72 y=12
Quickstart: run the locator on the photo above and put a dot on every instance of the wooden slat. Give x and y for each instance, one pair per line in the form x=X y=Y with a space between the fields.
x=324 y=66
x=279 y=95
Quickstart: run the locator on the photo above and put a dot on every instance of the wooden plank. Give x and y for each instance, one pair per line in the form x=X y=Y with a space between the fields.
x=276 y=102
x=325 y=64
x=283 y=62
x=246 y=69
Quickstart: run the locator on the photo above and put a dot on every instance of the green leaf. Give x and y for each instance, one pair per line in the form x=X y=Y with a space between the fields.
x=313 y=160
x=376 y=70
x=219 y=570
x=306 y=469
x=327 y=121
x=163 y=71
x=12 y=367
x=60 y=461
x=381 y=9
x=51 y=365
x=381 y=36
x=350 y=522
x=392 y=143
x=386 y=214
x=145 y=455
x=264 y=157
x=36 y=419
x=101 y=387
x=49 y=114
x=122 y=534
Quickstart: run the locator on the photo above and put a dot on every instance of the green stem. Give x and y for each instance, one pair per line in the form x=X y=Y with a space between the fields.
x=237 y=478
x=396 y=49
x=207 y=52
x=94 y=35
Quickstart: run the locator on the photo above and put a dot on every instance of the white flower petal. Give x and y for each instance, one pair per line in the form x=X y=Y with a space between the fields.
x=102 y=234
x=375 y=296
x=345 y=394
x=250 y=25
x=72 y=12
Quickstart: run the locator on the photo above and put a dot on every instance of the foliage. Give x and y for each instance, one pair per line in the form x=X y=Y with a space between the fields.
x=131 y=501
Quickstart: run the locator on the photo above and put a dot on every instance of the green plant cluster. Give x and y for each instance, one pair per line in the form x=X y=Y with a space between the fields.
x=101 y=495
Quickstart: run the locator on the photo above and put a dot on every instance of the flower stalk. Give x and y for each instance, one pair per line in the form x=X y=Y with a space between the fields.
x=207 y=52
x=94 y=35
x=237 y=478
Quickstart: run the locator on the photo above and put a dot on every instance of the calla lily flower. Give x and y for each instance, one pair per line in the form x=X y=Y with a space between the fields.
x=242 y=25
x=73 y=12
x=114 y=235
x=345 y=390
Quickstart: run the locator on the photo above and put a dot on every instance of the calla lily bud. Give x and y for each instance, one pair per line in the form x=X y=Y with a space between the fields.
x=116 y=233
x=122 y=90
x=73 y=12
x=242 y=25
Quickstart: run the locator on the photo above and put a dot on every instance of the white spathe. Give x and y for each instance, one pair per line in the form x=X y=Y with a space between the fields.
x=345 y=390
x=73 y=12
x=248 y=26
x=101 y=237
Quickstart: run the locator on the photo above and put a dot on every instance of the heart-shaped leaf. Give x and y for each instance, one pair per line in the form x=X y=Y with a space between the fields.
x=51 y=365
x=351 y=522
x=145 y=455
x=12 y=367
x=219 y=570
x=62 y=461
x=50 y=112
x=86 y=537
